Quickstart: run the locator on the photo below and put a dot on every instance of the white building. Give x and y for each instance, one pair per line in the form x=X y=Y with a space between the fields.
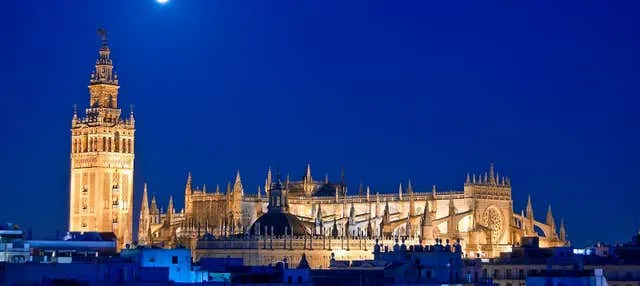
x=13 y=247
x=561 y=277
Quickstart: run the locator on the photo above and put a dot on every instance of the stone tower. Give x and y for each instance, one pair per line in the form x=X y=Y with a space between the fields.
x=102 y=154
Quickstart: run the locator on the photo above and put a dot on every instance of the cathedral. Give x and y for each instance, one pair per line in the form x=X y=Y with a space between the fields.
x=480 y=215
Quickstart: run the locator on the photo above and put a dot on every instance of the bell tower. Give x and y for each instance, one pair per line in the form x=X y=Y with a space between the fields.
x=102 y=155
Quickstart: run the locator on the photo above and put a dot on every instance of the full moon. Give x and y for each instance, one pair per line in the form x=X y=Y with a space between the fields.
x=162 y=1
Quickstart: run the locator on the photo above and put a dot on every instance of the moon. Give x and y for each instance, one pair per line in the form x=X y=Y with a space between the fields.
x=162 y=1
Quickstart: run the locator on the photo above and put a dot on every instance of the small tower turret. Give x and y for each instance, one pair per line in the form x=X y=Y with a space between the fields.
x=551 y=223
x=145 y=218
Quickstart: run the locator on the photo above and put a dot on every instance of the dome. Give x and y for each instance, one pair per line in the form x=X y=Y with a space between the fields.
x=279 y=220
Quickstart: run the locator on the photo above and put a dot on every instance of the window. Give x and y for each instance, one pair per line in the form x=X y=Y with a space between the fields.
x=289 y=280
x=299 y=279
x=174 y=260
x=521 y=274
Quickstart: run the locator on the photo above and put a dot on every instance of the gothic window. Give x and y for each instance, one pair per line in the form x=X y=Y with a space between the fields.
x=130 y=146
x=85 y=143
x=125 y=147
x=104 y=143
x=109 y=145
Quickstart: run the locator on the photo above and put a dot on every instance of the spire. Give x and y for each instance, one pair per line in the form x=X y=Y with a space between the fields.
x=154 y=205
x=187 y=187
x=409 y=188
x=103 y=73
x=385 y=216
x=144 y=221
x=563 y=231
x=237 y=185
x=170 y=210
x=551 y=222
x=307 y=176
x=400 y=191
x=145 y=199
x=529 y=208
x=468 y=181
x=204 y=188
x=368 y=193
x=75 y=112
x=492 y=178
x=259 y=193
x=326 y=178
x=433 y=191
x=267 y=182
x=217 y=189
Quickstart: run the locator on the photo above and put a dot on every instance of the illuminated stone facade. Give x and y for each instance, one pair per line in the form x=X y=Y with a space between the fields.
x=481 y=216
x=102 y=154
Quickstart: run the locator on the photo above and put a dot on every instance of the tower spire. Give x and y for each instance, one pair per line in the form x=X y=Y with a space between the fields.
x=563 y=231
x=529 y=208
x=492 y=178
x=170 y=210
x=307 y=176
x=267 y=182
x=188 y=190
x=551 y=222
x=144 y=222
x=237 y=185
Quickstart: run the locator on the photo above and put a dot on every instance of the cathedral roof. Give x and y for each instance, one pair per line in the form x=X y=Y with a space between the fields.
x=279 y=220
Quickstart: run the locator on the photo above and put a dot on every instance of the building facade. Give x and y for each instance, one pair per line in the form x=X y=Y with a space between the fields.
x=102 y=154
x=480 y=215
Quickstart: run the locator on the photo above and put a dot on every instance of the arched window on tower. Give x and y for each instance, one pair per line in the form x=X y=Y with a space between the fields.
x=85 y=143
x=130 y=145
x=116 y=141
x=109 y=145
x=104 y=144
x=73 y=146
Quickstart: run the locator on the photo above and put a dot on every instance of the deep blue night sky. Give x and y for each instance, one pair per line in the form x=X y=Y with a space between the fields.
x=427 y=90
